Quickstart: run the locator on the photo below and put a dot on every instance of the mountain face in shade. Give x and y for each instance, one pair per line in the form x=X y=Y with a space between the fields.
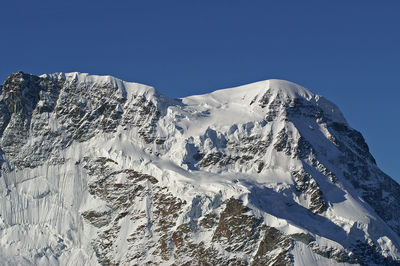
x=95 y=170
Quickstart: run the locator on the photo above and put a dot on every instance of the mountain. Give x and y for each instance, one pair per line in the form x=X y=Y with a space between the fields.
x=95 y=170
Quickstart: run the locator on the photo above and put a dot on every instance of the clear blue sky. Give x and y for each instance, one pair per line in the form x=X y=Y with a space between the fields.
x=348 y=51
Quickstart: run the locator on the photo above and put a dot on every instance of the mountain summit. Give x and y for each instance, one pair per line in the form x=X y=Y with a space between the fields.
x=95 y=170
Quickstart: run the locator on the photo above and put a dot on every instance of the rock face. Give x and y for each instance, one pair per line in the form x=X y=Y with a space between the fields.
x=95 y=170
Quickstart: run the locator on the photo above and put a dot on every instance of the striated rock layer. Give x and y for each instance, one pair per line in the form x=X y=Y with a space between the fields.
x=95 y=170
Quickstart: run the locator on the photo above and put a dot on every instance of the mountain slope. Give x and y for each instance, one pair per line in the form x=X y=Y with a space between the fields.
x=95 y=170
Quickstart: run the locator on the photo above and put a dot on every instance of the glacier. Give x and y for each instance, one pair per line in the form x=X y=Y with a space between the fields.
x=96 y=170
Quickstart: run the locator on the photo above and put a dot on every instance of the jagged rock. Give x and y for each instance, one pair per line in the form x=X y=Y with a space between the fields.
x=310 y=190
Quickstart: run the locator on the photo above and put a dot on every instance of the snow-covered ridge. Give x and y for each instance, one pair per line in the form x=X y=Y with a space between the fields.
x=240 y=94
x=98 y=170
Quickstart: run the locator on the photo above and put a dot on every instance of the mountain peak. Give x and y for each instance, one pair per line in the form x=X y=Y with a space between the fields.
x=263 y=94
x=111 y=172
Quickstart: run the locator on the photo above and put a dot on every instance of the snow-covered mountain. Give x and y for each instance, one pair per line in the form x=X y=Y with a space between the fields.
x=95 y=170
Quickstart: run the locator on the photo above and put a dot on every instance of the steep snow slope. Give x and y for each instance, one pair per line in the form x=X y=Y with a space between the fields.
x=95 y=170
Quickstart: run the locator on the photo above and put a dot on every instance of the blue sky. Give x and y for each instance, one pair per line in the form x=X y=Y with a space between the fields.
x=347 y=51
